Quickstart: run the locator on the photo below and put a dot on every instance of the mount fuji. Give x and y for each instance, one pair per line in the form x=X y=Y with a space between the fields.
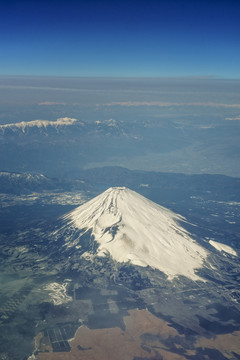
x=115 y=255
x=132 y=229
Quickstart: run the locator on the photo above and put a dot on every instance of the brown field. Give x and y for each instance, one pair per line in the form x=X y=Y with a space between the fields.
x=113 y=343
x=226 y=344
x=143 y=337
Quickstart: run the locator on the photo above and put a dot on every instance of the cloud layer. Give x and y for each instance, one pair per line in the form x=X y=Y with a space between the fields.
x=235 y=118
x=166 y=104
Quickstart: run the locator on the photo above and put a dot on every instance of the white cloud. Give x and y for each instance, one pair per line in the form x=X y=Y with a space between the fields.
x=49 y=103
x=166 y=104
x=235 y=118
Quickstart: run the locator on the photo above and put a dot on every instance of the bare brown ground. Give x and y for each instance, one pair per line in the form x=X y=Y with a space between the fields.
x=109 y=344
x=226 y=344
x=115 y=344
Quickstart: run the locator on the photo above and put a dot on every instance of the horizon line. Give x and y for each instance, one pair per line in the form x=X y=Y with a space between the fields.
x=187 y=77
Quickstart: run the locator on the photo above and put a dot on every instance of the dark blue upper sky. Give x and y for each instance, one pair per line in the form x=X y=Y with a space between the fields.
x=120 y=38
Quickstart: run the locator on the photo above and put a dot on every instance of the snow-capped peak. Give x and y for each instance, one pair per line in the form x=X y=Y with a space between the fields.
x=132 y=228
x=39 y=124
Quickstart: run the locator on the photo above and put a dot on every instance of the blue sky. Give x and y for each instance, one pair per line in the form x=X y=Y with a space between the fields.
x=120 y=38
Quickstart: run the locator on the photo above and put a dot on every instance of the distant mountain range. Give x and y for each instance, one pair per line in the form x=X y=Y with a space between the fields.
x=56 y=146
x=156 y=185
x=42 y=126
x=24 y=183
x=68 y=145
x=25 y=126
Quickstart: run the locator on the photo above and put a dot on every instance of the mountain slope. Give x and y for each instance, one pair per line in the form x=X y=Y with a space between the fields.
x=132 y=228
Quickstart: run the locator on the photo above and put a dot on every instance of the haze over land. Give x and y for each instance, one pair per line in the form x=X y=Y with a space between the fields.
x=176 y=125
x=139 y=82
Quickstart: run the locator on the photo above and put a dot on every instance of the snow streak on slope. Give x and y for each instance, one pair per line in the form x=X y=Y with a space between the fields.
x=133 y=228
x=222 y=247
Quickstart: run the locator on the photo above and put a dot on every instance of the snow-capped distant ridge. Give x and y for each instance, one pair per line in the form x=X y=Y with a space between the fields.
x=60 y=122
x=133 y=229
x=66 y=121
x=25 y=175
x=109 y=122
